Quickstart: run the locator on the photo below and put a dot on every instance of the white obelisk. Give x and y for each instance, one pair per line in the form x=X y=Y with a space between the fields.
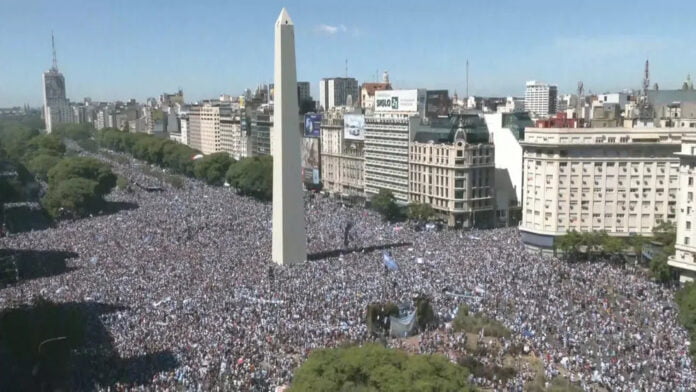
x=289 y=237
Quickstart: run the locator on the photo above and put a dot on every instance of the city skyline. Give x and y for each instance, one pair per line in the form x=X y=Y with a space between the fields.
x=134 y=50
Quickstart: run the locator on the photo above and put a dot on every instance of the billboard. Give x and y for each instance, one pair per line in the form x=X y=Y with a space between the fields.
x=312 y=125
x=437 y=103
x=399 y=100
x=310 y=160
x=354 y=126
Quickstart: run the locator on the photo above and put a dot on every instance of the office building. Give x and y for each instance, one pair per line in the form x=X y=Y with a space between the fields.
x=619 y=180
x=261 y=127
x=506 y=132
x=303 y=93
x=342 y=155
x=684 y=259
x=388 y=131
x=540 y=99
x=235 y=138
x=335 y=92
x=452 y=168
x=56 y=106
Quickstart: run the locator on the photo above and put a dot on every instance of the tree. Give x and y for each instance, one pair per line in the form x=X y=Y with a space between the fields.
x=420 y=211
x=612 y=246
x=253 y=177
x=375 y=368
x=666 y=234
x=212 y=168
x=41 y=164
x=569 y=243
x=686 y=300
x=86 y=168
x=44 y=145
x=385 y=203
x=636 y=243
x=76 y=197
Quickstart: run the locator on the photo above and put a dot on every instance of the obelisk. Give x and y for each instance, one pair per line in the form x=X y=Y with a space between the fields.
x=289 y=237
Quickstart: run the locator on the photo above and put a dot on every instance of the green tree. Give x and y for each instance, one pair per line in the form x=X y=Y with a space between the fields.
x=384 y=202
x=686 y=300
x=76 y=197
x=613 y=247
x=253 y=177
x=213 y=167
x=41 y=164
x=636 y=243
x=375 y=368
x=83 y=167
x=420 y=211
x=569 y=243
x=665 y=233
x=44 y=145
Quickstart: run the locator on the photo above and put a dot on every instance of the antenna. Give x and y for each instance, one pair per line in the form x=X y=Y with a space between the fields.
x=467 y=78
x=646 y=78
x=346 y=67
x=53 y=45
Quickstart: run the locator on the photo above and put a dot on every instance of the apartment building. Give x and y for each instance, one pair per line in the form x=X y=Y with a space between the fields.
x=342 y=154
x=335 y=92
x=388 y=132
x=540 y=98
x=235 y=138
x=623 y=181
x=261 y=127
x=452 y=168
x=194 y=127
x=684 y=259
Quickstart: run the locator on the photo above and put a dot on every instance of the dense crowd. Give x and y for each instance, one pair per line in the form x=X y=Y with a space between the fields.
x=192 y=268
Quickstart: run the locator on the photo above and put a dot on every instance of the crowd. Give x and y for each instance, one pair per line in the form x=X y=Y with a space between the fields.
x=192 y=268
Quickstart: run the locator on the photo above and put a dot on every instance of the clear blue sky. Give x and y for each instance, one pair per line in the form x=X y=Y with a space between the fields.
x=140 y=48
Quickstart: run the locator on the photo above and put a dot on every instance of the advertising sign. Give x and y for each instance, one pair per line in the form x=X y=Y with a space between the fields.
x=312 y=125
x=354 y=127
x=438 y=103
x=398 y=100
x=310 y=160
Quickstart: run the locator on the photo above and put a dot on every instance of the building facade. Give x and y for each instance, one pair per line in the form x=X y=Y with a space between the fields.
x=335 y=92
x=342 y=160
x=234 y=133
x=618 y=180
x=684 y=259
x=452 y=168
x=367 y=94
x=506 y=132
x=540 y=98
x=261 y=127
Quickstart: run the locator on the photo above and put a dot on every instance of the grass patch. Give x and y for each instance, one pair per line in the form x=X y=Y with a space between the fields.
x=475 y=323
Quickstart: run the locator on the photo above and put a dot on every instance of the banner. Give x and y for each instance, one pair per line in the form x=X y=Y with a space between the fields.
x=399 y=100
x=310 y=160
x=312 y=125
x=354 y=127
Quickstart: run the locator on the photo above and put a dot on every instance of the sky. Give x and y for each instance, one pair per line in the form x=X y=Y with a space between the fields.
x=116 y=50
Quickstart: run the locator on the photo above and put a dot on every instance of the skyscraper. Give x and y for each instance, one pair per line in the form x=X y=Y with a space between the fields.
x=540 y=98
x=56 y=107
x=335 y=91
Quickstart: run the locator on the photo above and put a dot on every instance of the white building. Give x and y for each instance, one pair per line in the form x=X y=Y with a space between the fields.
x=620 y=99
x=685 y=257
x=512 y=104
x=342 y=155
x=387 y=134
x=540 y=98
x=622 y=181
x=234 y=133
x=506 y=133
x=335 y=91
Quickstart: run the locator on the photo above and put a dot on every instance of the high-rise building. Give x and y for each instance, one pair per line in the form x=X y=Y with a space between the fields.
x=387 y=133
x=540 y=98
x=452 y=168
x=506 y=132
x=303 y=92
x=684 y=259
x=194 y=127
x=335 y=92
x=235 y=138
x=56 y=106
x=619 y=180
x=261 y=127
x=342 y=154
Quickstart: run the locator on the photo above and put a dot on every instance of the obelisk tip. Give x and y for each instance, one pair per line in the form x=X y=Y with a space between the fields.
x=284 y=18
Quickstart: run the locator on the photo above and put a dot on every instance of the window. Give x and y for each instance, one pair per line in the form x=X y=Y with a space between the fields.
x=688 y=225
x=686 y=240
